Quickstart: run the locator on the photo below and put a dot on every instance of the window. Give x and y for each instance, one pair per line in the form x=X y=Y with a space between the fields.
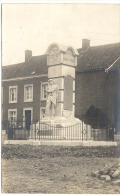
x=43 y=90
x=12 y=94
x=42 y=112
x=12 y=117
x=28 y=93
x=12 y=114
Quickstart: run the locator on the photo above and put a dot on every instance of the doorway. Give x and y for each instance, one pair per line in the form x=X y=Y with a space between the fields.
x=28 y=116
x=27 y=119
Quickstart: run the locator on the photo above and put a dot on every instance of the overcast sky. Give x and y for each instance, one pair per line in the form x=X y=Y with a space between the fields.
x=35 y=26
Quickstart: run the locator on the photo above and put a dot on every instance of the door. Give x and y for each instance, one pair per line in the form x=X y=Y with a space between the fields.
x=27 y=119
x=10 y=131
x=117 y=112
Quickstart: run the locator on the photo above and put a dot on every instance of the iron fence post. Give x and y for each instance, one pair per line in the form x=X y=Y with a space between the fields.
x=82 y=129
x=86 y=132
x=98 y=122
x=35 y=131
x=39 y=131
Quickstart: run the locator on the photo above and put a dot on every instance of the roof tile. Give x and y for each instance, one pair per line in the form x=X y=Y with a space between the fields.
x=37 y=64
x=98 y=57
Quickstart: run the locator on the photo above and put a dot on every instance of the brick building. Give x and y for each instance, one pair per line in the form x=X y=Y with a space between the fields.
x=22 y=85
x=97 y=90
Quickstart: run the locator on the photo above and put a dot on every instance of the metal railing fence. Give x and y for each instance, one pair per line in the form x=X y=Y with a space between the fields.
x=19 y=130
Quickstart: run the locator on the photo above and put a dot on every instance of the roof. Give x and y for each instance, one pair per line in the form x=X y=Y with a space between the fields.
x=99 y=58
x=94 y=58
x=37 y=65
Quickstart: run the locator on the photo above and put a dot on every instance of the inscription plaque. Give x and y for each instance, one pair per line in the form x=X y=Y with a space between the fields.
x=68 y=93
x=54 y=57
x=68 y=58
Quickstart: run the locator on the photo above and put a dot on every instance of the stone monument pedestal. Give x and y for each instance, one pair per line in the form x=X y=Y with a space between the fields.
x=65 y=128
x=61 y=128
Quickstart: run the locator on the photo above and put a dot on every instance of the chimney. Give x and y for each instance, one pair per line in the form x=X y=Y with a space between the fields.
x=85 y=44
x=28 y=55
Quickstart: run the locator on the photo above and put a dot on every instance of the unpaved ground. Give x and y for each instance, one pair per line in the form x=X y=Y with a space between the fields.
x=48 y=169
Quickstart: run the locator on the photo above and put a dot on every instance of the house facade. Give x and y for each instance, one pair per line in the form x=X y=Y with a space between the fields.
x=24 y=87
x=97 y=89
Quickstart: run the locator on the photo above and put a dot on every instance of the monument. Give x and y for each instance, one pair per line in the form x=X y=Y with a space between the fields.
x=60 y=103
x=59 y=117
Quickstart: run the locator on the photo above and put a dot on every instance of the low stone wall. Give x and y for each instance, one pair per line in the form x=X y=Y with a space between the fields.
x=3 y=136
x=117 y=138
x=61 y=143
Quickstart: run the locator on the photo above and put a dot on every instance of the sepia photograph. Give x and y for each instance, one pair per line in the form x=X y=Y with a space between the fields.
x=60 y=98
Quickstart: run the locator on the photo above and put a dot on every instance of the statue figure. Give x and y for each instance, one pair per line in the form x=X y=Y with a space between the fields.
x=51 y=103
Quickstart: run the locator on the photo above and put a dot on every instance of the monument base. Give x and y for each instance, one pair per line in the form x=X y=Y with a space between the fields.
x=61 y=128
x=61 y=120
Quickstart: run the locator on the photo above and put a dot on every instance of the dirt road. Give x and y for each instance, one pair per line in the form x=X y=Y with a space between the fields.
x=27 y=169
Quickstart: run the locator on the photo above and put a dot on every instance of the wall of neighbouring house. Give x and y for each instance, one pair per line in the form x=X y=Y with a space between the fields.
x=114 y=97
x=20 y=102
x=96 y=88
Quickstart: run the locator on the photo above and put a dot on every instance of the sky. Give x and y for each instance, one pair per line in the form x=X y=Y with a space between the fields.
x=36 y=26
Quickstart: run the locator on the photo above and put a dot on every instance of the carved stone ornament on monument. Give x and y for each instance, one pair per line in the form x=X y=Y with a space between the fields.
x=54 y=55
